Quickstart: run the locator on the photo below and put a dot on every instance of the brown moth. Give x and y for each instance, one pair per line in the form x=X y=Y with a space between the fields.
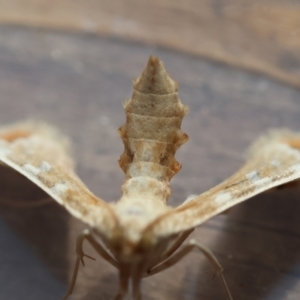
x=140 y=234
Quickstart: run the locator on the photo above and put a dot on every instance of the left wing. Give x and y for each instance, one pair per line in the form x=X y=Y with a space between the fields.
x=273 y=160
x=41 y=154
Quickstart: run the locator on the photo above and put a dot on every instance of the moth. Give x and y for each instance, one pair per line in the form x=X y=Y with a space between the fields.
x=140 y=235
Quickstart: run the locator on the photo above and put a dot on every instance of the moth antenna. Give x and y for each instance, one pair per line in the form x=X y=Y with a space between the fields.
x=152 y=133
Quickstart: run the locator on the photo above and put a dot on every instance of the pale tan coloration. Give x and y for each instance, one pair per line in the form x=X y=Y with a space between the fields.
x=273 y=160
x=141 y=234
x=43 y=155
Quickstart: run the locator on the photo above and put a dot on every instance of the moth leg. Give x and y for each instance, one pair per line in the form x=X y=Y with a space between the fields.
x=80 y=256
x=123 y=284
x=177 y=244
x=136 y=282
x=183 y=252
x=100 y=249
x=136 y=291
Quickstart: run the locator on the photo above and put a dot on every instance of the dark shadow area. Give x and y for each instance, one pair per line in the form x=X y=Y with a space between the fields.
x=259 y=247
x=34 y=241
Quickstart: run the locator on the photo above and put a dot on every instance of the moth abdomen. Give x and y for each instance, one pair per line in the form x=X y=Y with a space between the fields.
x=152 y=133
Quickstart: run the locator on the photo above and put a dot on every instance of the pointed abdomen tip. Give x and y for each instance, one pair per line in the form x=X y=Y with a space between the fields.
x=155 y=79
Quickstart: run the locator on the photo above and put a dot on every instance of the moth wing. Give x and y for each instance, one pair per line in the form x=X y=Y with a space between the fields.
x=41 y=154
x=273 y=160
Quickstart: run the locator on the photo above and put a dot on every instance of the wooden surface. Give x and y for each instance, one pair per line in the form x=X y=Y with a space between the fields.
x=259 y=35
x=78 y=83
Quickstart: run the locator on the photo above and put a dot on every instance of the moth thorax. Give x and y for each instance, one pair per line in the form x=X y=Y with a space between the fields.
x=146 y=187
x=152 y=134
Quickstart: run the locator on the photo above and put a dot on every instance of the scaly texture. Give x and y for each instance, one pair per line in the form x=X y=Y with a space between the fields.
x=140 y=231
x=152 y=134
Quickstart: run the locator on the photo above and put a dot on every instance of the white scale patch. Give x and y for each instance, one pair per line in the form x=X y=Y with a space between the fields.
x=31 y=169
x=44 y=167
x=223 y=197
x=3 y=150
x=59 y=189
x=275 y=163
x=253 y=176
x=263 y=183
x=257 y=180
x=135 y=210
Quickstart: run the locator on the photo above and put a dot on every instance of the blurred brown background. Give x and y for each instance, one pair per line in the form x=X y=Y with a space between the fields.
x=259 y=35
x=71 y=63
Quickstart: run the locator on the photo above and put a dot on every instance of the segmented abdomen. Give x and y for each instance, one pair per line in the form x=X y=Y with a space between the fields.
x=152 y=132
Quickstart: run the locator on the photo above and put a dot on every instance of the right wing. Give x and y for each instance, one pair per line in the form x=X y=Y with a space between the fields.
x=274 y=160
